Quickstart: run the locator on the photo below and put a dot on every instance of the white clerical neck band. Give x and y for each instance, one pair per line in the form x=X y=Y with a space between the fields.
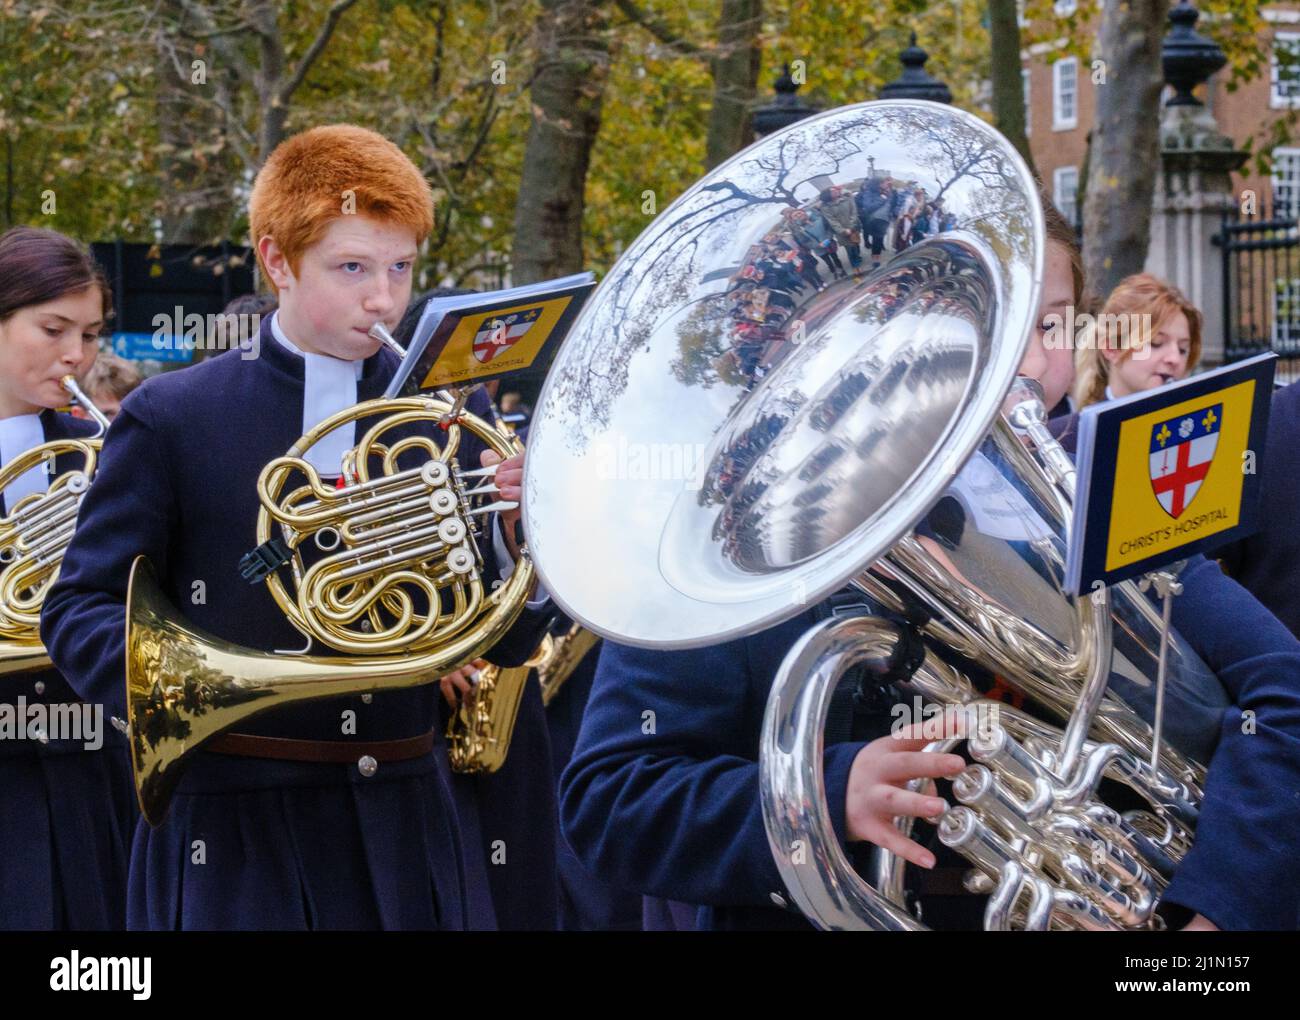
x=329 y=386
x=19 y=434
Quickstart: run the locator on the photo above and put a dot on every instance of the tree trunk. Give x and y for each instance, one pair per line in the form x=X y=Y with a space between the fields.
x=196 y=202
x=269 y=79
x=1125 y=143
x=573 y=64
x=735 y=78
x=1008 y=85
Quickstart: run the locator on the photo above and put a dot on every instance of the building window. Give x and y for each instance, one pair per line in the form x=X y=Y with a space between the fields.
x=1020 y=14
x=1065 y=8
x=1065 y=94
x=1285 y=70
x=1025 y=79
x=1286 y=183
x=1065 y=192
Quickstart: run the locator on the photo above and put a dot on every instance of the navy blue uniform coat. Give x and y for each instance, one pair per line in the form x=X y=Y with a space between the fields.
x=587 y=903
x=516 y=805
x=1268 y=563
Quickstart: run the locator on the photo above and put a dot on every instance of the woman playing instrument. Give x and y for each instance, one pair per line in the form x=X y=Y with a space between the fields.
x=1147 y=334
x=66 y=804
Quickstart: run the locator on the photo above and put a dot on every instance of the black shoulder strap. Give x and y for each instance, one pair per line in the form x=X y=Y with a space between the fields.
x=864 y=693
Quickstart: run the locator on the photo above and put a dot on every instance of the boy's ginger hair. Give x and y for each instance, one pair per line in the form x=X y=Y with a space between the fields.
x=319 y=175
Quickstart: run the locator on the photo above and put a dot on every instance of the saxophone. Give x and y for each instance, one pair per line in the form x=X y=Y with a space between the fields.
x=560 y=656
x=479 y=731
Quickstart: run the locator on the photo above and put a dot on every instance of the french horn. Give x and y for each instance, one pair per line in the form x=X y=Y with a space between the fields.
x=35 y=532
x=802 y=377
x=384 y=567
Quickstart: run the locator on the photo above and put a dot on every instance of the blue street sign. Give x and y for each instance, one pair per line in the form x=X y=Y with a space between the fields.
x=142 y=347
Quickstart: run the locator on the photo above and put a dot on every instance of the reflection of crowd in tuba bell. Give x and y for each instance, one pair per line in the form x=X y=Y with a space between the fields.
x=776 y=289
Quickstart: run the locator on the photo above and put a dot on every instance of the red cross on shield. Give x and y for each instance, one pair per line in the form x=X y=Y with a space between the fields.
x=1182 y=450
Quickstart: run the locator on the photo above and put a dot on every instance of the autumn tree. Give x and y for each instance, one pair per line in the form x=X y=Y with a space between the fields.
x=572 y=54
x=1125 y=142
x=733 y=59
x=226 y=85
x=1005 y=68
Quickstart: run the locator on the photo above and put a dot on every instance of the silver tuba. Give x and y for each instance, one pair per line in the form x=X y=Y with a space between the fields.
x=803 y=376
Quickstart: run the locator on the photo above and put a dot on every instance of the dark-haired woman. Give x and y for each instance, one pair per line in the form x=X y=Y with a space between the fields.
x=66 y=804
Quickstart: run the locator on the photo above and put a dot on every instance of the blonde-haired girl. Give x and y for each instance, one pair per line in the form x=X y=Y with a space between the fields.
x=1161 y=342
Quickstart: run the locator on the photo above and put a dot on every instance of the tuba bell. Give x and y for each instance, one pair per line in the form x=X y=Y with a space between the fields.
x=384 y=568
x=835 y=318
x=35 y=533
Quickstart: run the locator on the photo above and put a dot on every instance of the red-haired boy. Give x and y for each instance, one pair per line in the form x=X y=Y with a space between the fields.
x=335 y=813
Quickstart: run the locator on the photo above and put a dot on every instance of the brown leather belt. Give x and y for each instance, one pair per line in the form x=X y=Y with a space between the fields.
x=337 y=752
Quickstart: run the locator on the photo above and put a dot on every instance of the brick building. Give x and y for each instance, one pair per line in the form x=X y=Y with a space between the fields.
x=1061 y=100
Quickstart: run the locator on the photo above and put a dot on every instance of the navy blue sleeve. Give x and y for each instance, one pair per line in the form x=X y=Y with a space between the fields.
x=128 y=510
x=662 y=794
x=517 y=644
x=1240 y=872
